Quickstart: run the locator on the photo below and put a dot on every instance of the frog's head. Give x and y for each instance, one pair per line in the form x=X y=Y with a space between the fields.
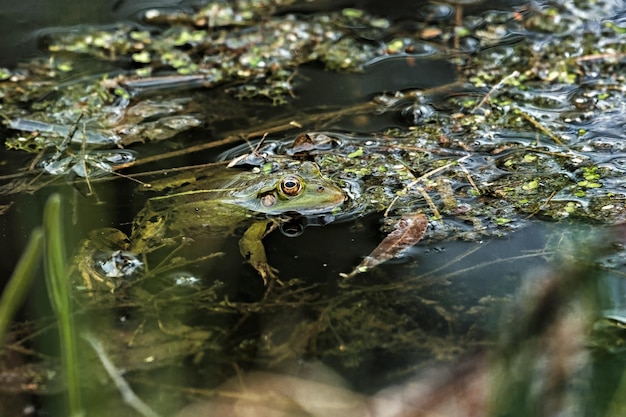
x=303 y=190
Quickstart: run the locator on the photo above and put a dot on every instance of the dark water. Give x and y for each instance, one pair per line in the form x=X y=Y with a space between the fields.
x=458 y=273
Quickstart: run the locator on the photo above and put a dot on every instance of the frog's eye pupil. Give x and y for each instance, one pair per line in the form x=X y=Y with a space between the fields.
x=268 y=200
x=290 y=186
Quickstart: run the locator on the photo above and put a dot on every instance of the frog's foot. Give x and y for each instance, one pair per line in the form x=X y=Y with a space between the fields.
x=102 y=261
x=267 y=272
x=252 y=249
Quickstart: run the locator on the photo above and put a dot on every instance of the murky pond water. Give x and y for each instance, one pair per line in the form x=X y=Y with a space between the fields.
x=399 y=178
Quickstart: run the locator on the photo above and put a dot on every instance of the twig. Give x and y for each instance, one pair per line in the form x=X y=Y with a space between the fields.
x=422 y=178
x=83 y=161
x=539 y=126
x=494 y=88
x=128 y=395
x=545 y=203
x=594 y=57
x=180 y=152
x=430 y=202
x=278 y=126
x=470 y=179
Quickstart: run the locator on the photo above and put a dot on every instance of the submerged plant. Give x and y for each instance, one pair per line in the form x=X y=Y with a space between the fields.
x=17 y=287
x=55 y=268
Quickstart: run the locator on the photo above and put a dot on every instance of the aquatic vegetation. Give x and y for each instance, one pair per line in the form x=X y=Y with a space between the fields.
x=16 y=289
x=55 y=265
x=472 y=123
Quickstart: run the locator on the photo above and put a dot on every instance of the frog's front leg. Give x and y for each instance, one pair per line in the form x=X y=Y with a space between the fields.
x=251 y=248
x=102 y=261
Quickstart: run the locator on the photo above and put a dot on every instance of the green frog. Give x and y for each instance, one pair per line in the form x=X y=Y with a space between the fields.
x=211 y=206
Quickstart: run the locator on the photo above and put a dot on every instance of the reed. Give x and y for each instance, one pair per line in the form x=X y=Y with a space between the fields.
x=57 y=282
x=16 y=289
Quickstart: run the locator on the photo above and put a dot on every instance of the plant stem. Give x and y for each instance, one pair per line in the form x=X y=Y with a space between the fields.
x=15 y=291
x=57 y=282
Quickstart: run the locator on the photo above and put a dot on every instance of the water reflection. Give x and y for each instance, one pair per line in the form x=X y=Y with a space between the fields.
x=546 y=324
x=524 y=135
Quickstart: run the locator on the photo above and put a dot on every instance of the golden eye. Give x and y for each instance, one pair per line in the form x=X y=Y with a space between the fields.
x=291 y=186
x=268 y=200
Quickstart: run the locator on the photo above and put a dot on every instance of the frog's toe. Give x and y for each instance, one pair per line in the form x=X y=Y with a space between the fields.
x=267 y=272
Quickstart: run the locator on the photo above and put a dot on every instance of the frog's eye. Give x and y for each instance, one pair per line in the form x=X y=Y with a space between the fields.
x=268 y=200
x=290 y=186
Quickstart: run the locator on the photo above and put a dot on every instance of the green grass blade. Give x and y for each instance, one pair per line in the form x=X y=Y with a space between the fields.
x=58 y=290
x=19 y=283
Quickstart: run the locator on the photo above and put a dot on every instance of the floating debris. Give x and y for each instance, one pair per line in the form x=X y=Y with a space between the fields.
x=409 y=230
x=89 y=164
x=49 y=130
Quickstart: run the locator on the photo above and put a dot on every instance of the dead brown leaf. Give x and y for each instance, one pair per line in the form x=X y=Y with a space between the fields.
x=409 y=230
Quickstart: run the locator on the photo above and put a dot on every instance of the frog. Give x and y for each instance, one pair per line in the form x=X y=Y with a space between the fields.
x=211 y=205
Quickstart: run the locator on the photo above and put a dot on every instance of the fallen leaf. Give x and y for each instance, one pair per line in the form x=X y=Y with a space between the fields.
x=409 y=230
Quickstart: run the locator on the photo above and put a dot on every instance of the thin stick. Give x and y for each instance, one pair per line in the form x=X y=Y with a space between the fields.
x=593 y=57
x=430 y=202
x=422 y=178
x=282 y=125
x=470 y=179
x=539 y=126
x=128 y=395
x=129 y=177
x=227 y=140
x=258 y=145
x=494 y=88
x=545 y=203
x=83 y=154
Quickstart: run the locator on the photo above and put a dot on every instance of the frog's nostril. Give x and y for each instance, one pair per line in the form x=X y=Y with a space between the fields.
x=320 y=189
